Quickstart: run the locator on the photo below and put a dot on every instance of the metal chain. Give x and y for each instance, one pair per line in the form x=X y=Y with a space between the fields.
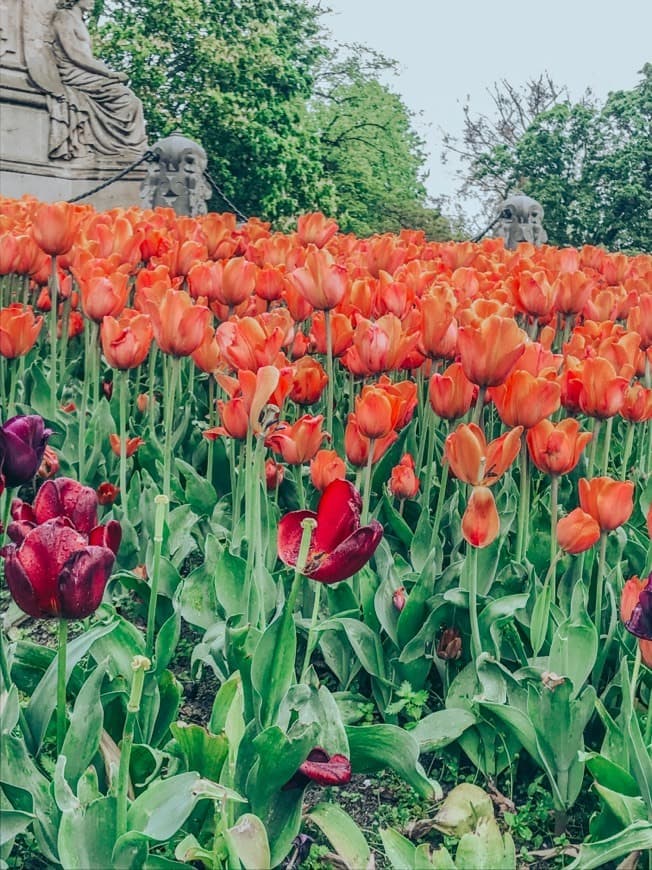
x=221 y=193
x=148 y=156
x=486 y=229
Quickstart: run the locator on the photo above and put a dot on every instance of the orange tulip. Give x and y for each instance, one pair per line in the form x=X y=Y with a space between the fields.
x=236 y=281
x=451 y=394
x=577 y=532
x=524 y=399
x=19 y=329
x=320 y=281
x=380 y=346
x=602 y=392
x=250 y=342
x=309 y=380
x=103 y=295
x=573 y=290
x=637 y=406
x=316 y=229
x=534 y=294
x=474 y=461
x=274 y=474
x=250 y=394
x=341 y=332
x=132 y=444
x=629 y=597
x=207 y=357
x=373 y=410
x=609 y=502
x=299 y=442
x=403 y=482
x=481 y=523
x=357 y=445
x=489 y=351
x=270 y=283
x=55 y=225
x=179 y=326
x=555 y=448
x=126 y=341
x=439 y=326
x=325 y=467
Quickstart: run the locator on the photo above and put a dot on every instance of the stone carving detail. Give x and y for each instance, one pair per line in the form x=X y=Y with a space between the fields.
x=521 y=220
x=177 y=179
x=92 y=111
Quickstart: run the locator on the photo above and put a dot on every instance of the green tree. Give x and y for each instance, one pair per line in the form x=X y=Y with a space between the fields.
x=372 y=155
x=236 y=76
x=589 y=165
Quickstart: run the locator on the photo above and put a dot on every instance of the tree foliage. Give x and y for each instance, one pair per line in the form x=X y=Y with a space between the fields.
x=288 y=125
x=589 y=165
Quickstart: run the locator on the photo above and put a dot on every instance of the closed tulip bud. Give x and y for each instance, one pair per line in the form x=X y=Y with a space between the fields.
x=308 y=382
x=449 y=647
x=577 y=532
x=610 y=502
x=451 y=394
x=142 y=402
x=22 y=444
x=403 y=482
x=325 y=467
x=107 y=493
x=274 y=474
x=399 y=599
x=481 y=523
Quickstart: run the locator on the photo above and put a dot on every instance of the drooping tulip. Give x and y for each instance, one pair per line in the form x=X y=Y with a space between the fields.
x=480 y=522
x=339 y=545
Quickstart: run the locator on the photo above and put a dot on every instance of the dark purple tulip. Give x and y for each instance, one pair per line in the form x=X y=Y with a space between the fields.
x=22 y=444
x=640 y=622
x=340 y=546
x=322 y=768
x=54 y=572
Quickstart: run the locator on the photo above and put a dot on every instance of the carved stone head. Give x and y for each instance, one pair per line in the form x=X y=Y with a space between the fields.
x=176 y=179
x=521 y=220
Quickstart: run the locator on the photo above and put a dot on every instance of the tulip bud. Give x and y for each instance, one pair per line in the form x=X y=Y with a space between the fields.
x=449 y=647
x=107 y=493
x=107 y=389
x=142 y=402
x=274 y=474
x=49 y=464
x=403 y=482
x=22 y=445
x=399 y=599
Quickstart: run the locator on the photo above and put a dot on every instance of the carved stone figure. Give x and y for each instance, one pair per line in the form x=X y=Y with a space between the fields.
x=177 y=179
x=521 y=220
x=92 y=111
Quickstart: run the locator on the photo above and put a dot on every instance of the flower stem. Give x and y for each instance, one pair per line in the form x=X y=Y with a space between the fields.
x=439 y=510
x=161 y=502
x=54 y=294
x=430 y=454
x=605 y=447
x=81 y=444
x=594 y=445
x=172 y=365
x=312 y=638
x=65 y=329
x=479 y=405
x=211 y=423
x=476 y=643
x=151 y=380
x=123 y=377
x=523 y=504
x=61 y=683
x=627 y=451
x=602 y=556
x=329 y=372
x=554 y=510
x=366 y=495
x=140 y=665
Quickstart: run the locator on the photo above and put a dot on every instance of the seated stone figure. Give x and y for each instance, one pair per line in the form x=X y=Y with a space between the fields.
x=92 y=111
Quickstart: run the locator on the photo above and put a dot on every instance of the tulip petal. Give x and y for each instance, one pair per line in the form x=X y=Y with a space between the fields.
x=323 y=770
x=22 y=591
x=108 y=535
x=289 y=535
x=348 y=557
x=83 y=580
x=338 y=515
x=640 y=622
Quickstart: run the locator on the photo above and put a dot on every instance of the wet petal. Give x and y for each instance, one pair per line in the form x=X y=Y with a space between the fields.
x=347 y=558
x=338 y=515
x=83 y=580
x=289 y=536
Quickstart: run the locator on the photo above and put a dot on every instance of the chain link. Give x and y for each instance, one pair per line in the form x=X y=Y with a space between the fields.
x=148 y=156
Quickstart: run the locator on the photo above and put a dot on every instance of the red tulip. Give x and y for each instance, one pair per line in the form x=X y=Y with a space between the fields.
x=339 y=546
x=22 y=445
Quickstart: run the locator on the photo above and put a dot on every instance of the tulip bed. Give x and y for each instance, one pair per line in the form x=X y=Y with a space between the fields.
x=397 y=494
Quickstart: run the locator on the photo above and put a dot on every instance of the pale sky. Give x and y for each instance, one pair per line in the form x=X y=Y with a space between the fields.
x=447 y=50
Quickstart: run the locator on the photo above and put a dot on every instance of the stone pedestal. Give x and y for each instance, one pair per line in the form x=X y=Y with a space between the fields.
x=24 y=127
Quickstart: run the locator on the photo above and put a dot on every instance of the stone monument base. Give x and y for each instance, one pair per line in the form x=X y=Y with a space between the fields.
x=24 y=164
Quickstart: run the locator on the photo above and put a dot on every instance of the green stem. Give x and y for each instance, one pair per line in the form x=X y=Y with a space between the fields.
x=602 y=556
x=312 y=634
x=635 y=674
x=607 y=445
x=431 y=423
x=366 y=493
x=161 y=502
x=479 y=405
x=329 y=372
x=11 y=404
x=211 y=423
x=301 y=492
x=54 y=299
x=648 y=723
x=523 y=504
x=123 y=377
x=140 y=665
x=65 y=329
x=627 y=450
x=476 y=643
x=439 y=510
x=594 y=446
x=172 y=366
x=5 y=673
x=61 y=683
x=554 y=510
x=81 y=447
x=151 y=384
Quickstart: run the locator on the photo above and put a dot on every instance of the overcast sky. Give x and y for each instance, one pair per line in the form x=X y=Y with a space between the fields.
x=447 y=49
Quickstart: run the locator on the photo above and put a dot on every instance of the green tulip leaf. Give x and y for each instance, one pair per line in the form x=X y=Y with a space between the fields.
x=344 y=835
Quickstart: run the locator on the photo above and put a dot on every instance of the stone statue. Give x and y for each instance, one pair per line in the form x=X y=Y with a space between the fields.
x=521 y=220
x=177 y=179
x=92 y=111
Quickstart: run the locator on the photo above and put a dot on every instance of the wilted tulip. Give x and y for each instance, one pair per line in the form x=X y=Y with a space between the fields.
x=22 y=445
x=449 y=647
x=339 y=546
